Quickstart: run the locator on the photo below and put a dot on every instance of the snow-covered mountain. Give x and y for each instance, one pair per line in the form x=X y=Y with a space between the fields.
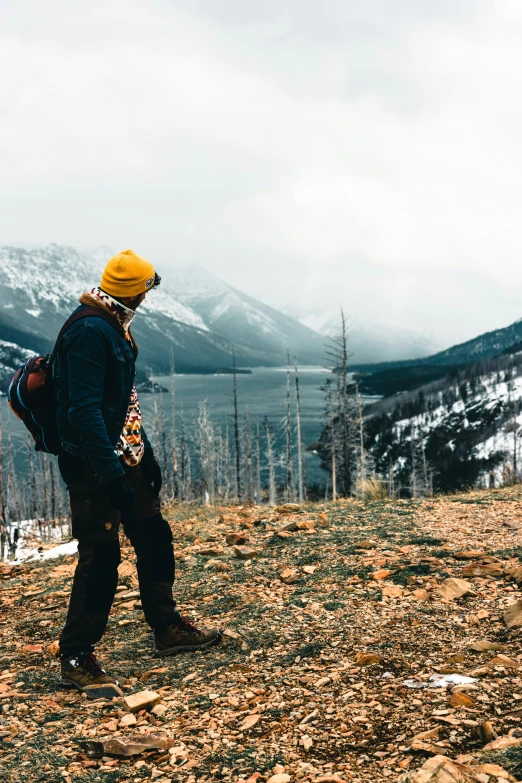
x=39 y=288
x=243 y=319
x=463 y=429
x=370 y=342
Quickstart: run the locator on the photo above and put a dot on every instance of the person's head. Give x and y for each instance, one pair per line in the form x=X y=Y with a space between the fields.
x=128 y=278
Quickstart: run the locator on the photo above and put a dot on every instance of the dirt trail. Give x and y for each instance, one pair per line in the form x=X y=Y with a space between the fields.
x=338 y=606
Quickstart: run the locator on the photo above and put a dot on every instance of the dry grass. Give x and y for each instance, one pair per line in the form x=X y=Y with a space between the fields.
x=370 y=489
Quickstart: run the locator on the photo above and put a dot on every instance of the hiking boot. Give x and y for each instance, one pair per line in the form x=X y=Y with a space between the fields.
x=85 y=673
x=185 y=636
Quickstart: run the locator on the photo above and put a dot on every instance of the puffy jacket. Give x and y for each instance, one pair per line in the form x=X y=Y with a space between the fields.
x=93 y=375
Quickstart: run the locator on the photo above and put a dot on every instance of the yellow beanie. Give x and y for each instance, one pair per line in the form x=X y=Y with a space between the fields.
x=127 y=274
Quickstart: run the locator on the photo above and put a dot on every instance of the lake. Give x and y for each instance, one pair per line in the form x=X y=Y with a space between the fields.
x=263 y=393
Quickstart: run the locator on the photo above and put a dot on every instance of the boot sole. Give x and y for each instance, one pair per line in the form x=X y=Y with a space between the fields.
x=106 y=691
x=188 y=647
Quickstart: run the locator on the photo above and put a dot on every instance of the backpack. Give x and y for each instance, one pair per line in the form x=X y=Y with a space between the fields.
x=31 y=392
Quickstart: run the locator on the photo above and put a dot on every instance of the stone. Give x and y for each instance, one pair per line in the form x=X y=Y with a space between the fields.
x=515 y=572
x=249 y=722
x=217 y=565
x=306 y=742
x=484 y=645
x=485 y=732
x=280 y=777
x=441 y=769
x=494 y=770
x=245 y=552
x=236 y=539
x=289 y=576
x=392 y=591
x=494 y=570
x=288 y=508
x=288 y=527
x=309 y=569
x=513 y=615
x=480 y=671
x=128 y=595
x=323 y=520
x=106 y=691
x=421 y=594
x=425 y=747
x=210 y=551
x=130 y=745
x=159 y=710
x=367 y=659
x=231 y=634
x=54 y=649
x=126 y=568
x=503 y=660
x=322 y=681
x=430 y=734
x=33 y=648
x=502 y=743
x=460 y=699
x=144 y=700
x=366 y=543
x=304 y=524
x=454 y=588
x=128 y=720
x=471 y=554
x=383 y=573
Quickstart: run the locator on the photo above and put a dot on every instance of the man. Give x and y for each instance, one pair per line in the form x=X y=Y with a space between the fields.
x=112 y=476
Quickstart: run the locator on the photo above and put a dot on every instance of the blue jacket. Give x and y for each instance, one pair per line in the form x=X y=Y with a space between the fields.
x=93 y=375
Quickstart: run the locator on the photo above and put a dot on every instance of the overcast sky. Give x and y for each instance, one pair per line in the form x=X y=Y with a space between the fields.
x=309 y=151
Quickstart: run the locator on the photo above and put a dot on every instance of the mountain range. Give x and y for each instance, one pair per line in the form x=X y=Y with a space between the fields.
x=203 y=320
x=386 y=378
x=202 y=323
x=369 y=341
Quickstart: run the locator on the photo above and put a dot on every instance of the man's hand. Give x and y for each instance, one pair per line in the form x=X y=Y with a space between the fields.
x=121 y=493
x=152 y=470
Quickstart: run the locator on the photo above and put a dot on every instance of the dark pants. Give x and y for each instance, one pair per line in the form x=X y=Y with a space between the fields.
x=96 y=524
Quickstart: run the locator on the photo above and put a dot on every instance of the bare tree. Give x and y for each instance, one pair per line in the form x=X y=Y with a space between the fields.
x=174 y=445
x=236 y=431
x=301 y=479
x=363 y=462
x=271 y=464
x=338 y=356
x=332 y=444
x=288 y=434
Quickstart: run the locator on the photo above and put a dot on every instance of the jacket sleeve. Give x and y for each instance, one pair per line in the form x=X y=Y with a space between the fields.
x=87 y=361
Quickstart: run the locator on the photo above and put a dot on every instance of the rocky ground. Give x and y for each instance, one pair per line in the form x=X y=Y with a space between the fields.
x=327 y=612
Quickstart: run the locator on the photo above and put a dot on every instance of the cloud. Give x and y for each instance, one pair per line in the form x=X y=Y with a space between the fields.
x=363 y=152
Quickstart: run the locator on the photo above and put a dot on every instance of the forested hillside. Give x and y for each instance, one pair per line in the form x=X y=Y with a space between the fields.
x=454 y=433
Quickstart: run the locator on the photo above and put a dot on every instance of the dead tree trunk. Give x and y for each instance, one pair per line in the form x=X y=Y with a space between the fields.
x=288 y=434
x=301 y=481
x=363 y=473
x=271 y=465
x=332 y=446
x=174 y=445
x=236 y=432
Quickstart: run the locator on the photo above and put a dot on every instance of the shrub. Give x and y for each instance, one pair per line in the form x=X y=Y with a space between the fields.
x=371 y=489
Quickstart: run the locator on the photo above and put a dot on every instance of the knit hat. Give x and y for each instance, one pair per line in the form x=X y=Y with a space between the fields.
x=127 y=275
